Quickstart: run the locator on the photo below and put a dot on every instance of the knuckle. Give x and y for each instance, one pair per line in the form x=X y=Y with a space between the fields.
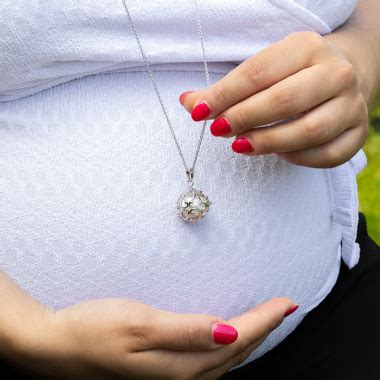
x=284 y=101
x=263 y=141
x=297 y=37
x=139 y=323
x=138 y=329
x=310 y=39
x=314 y=132
x=242 y=119
x=253 y=70
x=331 y=157
x=347 y=74
x=191 y=334
x=220 y=94
x=314 y=40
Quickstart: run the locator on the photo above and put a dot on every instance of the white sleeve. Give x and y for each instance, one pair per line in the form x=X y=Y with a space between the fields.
x=326 y=10
x=46 y=43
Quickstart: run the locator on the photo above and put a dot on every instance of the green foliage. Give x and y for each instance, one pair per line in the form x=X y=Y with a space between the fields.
x=376 y=113
x=369 y=184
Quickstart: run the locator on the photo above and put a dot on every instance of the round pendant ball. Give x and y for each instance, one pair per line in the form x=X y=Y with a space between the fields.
x=193 y=205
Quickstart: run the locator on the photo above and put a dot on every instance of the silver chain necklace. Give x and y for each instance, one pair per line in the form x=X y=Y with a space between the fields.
x=192 y=205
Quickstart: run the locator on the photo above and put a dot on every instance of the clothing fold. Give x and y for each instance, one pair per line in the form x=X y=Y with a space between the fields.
x=47 y=43
x=346 y=204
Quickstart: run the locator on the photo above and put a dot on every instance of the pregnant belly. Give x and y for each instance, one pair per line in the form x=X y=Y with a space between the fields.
x=89 y=182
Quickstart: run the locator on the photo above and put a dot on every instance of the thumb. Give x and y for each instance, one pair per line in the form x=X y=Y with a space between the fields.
x=190 y=332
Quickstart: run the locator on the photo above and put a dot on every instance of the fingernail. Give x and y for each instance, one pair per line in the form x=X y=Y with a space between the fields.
x=291 y=310
x=183 y=97
x=200 y=112
x=224 y=334
x=220 y=127
x=242 y=145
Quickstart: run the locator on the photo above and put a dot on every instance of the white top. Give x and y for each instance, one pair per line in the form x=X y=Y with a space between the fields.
x=89 y=173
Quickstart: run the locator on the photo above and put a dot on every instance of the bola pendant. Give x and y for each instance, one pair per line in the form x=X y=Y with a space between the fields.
x=192 y=205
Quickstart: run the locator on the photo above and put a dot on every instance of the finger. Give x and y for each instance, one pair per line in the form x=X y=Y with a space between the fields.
x=260 y=320
x=255 y=74
x=290 y=97
x=334 y=153
x=188 y=332
x=253 y=326
x=197 y=364
x=234 y=361
x=161 y=364
x=315 y=127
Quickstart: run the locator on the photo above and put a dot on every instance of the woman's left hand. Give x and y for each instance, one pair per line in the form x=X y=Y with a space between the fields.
x=306 y=83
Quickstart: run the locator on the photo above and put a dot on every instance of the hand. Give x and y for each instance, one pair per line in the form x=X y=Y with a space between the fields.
x=122 y=339
x=306 y=82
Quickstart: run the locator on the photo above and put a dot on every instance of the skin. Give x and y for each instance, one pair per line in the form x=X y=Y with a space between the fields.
x=320 y=88
x=120 y=338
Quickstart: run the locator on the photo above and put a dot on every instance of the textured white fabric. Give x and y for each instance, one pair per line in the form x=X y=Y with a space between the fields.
x=89 y=174
x=44 y=43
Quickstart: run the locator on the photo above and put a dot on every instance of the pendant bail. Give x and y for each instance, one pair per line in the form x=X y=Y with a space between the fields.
x=190 y=176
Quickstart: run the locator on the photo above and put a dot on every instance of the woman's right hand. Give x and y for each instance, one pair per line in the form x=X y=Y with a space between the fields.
x=122 y=339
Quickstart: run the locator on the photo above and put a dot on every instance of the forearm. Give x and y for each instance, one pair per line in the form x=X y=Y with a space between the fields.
x=359 y=39
x=17 y=311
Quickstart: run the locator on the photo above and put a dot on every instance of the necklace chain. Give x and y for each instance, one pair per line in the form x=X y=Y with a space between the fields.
x=189 y=171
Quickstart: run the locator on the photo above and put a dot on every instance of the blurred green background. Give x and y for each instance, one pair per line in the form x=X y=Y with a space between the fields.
x=369 y=180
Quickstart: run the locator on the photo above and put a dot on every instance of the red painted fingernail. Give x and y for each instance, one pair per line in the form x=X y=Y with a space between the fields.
x=220 y=127
x=224 y=334
x=291 y=310
x=242 y=145
x=183 y=97
x=200 y=112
